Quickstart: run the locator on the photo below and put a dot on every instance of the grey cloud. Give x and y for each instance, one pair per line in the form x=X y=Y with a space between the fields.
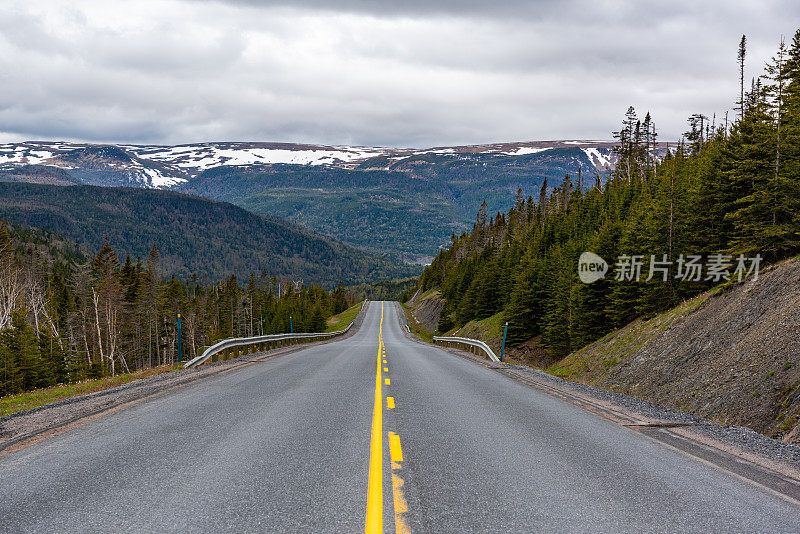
x=621 y=12
x=376 y=73
x=416 y=8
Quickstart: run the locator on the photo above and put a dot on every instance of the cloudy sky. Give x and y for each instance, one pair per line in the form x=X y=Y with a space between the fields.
x=413 y=73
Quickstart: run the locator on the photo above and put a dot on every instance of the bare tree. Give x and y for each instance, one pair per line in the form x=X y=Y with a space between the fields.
x=10 y=279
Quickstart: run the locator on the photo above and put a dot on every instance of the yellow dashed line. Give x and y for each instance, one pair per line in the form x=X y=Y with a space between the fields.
x=394 y=447
x=390 y=402
x=400 y=503
x=387 y=381
x=400 y=506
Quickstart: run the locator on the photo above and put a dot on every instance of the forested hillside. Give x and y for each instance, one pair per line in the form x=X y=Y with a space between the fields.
x=66 y=315
x=193 y=235
x=399 y=200
x=409 y=205
x=729 y=193
x=382 y=210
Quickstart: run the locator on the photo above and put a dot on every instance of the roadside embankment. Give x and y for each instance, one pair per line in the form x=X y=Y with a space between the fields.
x=426 y=309
x=731 y=355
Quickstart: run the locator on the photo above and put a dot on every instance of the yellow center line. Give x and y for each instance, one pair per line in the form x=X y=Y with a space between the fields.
x=374 y=521
x=385 y=369
x=390 y=402
x=388 y=382
x=400 y=503
x=400 y=506
x=395 y=451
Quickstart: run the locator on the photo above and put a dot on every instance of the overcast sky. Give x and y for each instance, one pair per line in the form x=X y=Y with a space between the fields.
x=413 y=73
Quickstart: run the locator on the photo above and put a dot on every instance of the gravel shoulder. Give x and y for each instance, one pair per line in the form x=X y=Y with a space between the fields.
x=21 y=429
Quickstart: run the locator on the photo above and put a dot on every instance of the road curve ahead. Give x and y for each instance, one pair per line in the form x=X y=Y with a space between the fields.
x=375 y=431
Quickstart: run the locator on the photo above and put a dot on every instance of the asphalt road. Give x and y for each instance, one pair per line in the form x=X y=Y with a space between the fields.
x=287 y=446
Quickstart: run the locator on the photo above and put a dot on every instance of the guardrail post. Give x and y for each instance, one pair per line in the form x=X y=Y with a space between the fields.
x=180 y=346
x=503 y=346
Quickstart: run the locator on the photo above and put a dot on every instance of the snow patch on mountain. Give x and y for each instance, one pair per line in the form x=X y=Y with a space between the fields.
x=23 y=154
x=139 y=171
x=195 y=159
x=521 y=151
x=155 y=179
x=600 y=158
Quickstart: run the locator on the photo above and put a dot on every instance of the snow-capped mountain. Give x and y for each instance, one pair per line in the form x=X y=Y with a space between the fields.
x=93 y=164
x=194 y=159
x=410 y=201
x=168 y=166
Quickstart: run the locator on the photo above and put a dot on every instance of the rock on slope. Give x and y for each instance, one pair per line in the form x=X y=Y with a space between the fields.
x=730 y=355
x=427 y=308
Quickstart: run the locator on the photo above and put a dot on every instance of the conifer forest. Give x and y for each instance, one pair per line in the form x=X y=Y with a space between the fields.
x=730 y=189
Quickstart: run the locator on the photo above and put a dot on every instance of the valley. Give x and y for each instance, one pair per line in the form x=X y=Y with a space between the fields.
x=403 y=201
x=194 y=236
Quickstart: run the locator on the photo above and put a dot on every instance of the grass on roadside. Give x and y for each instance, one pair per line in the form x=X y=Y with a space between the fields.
x=40 y=397
x=488 y=330
x=593 y=362
x=416 y=327
x=340 y=321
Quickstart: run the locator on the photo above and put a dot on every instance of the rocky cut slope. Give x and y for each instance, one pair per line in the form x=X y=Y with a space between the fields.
x=731 y=355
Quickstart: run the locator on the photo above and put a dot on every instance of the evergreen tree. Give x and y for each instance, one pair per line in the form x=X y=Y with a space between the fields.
x=740 y=57
x=733 y=189
x=23 y=347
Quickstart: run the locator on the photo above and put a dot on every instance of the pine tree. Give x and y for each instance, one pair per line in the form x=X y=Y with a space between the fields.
x=740 y=57
x=524 y=311
x=752 y=177
x=10 y=373
x=338 y=300
x=151 y=290
x=23 y=346
x=557 y=309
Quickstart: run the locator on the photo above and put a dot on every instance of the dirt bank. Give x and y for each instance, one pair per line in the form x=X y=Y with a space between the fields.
x=732 y=356
x=427 y=308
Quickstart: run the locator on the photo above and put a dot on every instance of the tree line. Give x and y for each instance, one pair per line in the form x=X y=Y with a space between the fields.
x=66 y=317
x=729 y=190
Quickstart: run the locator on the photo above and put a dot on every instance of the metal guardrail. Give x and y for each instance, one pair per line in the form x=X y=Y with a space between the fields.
x=276 y=339
x=473 y=344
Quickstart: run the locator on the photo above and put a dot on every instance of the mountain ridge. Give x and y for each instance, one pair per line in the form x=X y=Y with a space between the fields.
x=404 y=200
x=179 y=163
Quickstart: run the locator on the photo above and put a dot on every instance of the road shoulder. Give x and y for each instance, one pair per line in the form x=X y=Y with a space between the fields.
x=23 y=429
x=772 y=464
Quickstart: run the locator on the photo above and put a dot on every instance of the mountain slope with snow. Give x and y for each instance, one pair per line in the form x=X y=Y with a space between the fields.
x=405 y=200
x=167 y=166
